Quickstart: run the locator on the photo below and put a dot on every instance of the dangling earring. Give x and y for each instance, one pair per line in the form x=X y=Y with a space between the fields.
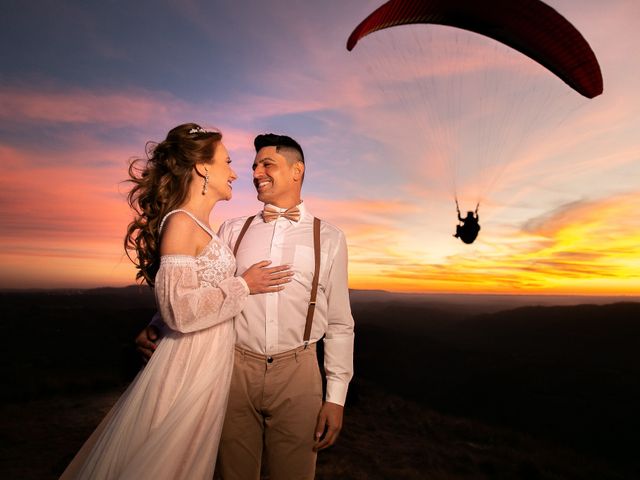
x=206 y=181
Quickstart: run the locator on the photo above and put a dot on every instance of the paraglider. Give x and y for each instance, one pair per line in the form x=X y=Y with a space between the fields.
x=529 y=27
x=469 y=227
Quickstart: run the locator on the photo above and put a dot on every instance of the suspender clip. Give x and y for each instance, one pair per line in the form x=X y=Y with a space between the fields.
x=306 y=344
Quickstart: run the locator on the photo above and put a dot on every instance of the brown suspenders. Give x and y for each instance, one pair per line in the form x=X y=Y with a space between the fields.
x=245 y=227
x=314 y=283
x=316 y=273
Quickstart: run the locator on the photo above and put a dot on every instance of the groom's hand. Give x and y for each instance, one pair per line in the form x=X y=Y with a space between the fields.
x=328 y=426
x=146 y=342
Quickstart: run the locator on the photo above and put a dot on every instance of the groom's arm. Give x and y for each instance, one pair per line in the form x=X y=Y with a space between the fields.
x=338 y=349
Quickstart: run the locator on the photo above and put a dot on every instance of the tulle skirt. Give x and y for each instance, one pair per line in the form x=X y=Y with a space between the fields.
x=167 y=424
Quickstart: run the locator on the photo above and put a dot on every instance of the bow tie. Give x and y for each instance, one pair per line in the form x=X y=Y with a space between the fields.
x=269 y=214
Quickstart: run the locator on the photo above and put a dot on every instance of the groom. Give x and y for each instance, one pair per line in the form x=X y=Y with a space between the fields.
x=275 y=401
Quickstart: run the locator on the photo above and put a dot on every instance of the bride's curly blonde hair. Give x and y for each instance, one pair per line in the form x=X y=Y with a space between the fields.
x=161 y=183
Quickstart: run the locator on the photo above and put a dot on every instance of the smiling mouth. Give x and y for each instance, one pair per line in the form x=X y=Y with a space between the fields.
x=261 y=185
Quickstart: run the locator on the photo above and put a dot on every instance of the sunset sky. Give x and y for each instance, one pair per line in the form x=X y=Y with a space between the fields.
x=85 y=84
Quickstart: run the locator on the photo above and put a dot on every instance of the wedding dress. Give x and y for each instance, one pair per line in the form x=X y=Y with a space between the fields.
x=167 y=424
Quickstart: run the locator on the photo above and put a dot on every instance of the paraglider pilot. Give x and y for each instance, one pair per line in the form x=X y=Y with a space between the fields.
x=468 y=229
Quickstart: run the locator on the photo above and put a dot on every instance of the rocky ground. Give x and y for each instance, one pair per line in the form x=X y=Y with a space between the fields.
x=384 y=437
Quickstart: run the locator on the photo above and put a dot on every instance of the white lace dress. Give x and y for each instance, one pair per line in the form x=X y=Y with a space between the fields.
x=167 y=424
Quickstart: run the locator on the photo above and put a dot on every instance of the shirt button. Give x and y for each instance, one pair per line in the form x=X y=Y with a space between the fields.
x=269 y=359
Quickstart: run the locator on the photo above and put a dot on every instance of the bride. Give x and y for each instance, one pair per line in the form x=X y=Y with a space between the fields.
x=168 y=422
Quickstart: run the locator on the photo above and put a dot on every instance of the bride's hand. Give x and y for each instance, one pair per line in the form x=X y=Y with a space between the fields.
x=263 y=279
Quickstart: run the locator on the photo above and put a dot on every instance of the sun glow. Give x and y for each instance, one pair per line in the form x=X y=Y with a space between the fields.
x=582 y=248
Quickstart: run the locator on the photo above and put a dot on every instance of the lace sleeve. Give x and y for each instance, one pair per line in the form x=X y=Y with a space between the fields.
x=187 y=307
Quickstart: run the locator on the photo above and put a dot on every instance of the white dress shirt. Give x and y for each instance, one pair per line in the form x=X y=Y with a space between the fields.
x=272 y=323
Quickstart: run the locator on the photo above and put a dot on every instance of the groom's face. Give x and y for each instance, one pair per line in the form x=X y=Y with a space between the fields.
x=277 y=180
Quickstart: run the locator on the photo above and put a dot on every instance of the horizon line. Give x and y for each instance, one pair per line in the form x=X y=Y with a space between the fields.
x=390 y=292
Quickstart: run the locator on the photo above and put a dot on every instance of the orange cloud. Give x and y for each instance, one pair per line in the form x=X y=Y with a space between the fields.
x=62 y=224
x=583 y=247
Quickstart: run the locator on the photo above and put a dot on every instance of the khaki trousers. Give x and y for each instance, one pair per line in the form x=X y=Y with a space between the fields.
x=272 y=413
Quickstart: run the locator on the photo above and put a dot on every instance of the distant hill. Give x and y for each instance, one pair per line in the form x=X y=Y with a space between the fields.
x=461 y=303
x=473 y=304
x=569 y=374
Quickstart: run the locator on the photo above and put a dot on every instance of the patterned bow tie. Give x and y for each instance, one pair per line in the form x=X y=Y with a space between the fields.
x=269 y=214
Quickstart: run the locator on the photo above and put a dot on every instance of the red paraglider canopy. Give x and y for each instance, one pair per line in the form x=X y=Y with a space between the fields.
x=529 y=26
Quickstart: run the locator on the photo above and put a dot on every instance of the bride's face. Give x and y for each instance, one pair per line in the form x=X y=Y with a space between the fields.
x=221 y=175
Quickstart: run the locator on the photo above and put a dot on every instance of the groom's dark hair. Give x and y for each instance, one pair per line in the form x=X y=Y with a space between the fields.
x=282 y=144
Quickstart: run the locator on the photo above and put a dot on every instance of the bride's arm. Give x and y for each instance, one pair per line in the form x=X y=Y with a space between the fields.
x=185 y=306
